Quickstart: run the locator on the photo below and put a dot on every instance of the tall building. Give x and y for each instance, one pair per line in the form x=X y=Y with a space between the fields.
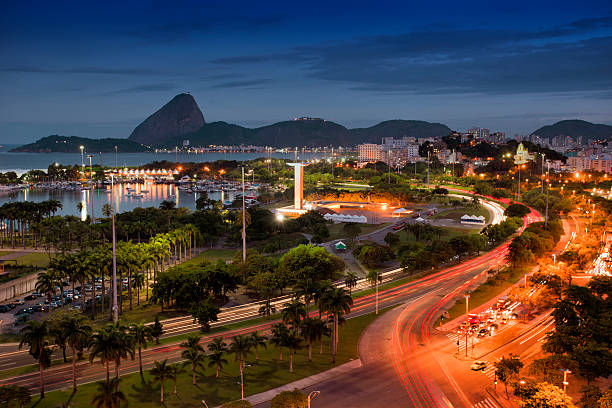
x=370 y=152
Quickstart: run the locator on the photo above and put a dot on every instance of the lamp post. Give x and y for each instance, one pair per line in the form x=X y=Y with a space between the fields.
x=565 y=383
x=114 y=282
x=90 y=156
x=243 y=220
x=467 y=302
x=82 y=148
x=547 y=185
x=312 y=395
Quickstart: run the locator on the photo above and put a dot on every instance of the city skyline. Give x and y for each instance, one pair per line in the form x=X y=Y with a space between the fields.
x=461 y=65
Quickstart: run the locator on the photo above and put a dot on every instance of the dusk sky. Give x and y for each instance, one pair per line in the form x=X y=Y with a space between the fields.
x=73 y=68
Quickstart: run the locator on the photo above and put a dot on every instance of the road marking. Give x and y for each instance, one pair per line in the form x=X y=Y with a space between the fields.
x=7 y=364
x=486 y=403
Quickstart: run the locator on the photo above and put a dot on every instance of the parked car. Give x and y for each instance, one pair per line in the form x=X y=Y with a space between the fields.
x=5 y=308
x=29 y=297
x=478 y=365
x=483 y=332
x=18 y=302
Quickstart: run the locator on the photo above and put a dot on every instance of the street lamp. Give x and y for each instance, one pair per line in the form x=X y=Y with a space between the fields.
x=565 y=383
x=467 y=302
x=312 y=396
x=82 y=148
x=243 y=220
x=114 y=283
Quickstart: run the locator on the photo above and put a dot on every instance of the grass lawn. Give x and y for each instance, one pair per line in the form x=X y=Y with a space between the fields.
x=39 y=259
x=211 y=255
x=2 y=253
x=457 y=213
x=486 y=291
x=336 y=230
x=268 y=372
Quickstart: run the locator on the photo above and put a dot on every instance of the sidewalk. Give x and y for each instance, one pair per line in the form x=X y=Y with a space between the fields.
x=304 y=382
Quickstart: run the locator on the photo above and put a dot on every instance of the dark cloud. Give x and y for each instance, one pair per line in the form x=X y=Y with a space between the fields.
x=80 y=70
x=566 y=58
x=247 y=83
x=161 y=87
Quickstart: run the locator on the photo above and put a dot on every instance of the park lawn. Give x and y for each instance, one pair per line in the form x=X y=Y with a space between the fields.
x=2 y=253
x=485 y=292
x=457 y=213
x=39 y=259
x=211 y=255
x=268 y=372
x=336 y=230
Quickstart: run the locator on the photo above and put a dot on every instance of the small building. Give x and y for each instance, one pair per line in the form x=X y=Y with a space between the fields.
x=472 y=219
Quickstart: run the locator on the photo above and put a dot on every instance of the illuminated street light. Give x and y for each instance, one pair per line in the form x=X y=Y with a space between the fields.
x=565 y=383
x=312 y=396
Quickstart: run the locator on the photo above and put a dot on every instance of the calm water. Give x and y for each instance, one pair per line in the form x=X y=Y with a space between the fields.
x=22 y=162
x=97 y=198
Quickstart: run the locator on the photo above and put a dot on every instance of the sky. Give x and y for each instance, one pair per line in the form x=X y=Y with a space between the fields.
x=97 y=69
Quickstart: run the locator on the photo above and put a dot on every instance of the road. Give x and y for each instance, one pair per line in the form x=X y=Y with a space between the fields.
x=400 y=368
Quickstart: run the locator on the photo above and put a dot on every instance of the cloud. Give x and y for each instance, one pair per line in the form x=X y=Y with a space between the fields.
x=566 y=58
x=247 y=83
x=161 y=87
x=80 y=70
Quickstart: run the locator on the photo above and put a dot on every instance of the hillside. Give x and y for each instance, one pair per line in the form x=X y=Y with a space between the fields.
x=398 y=129
x=575 y=128
x=71 y=144
x=178 y=117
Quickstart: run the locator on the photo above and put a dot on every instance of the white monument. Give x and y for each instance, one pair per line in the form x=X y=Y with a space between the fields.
x=298 y=194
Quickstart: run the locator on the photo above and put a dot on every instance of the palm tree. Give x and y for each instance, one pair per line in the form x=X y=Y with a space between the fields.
x=160 y=373
x=194 y=354
x=217 y=360
x=293 y=342
x=140 y=333
x=46 y=282
x=78 y=331
x=279 y=331
x=194 y=357
x=240 y=347
x=350 y=281
x=336 y=302
x=256 y=341
x=293 y=313
x=107 y=394
x=123 y=344
x=175 y=371
x=35 y=334
x=312 y=330
x=102 y=347
x=306 y=288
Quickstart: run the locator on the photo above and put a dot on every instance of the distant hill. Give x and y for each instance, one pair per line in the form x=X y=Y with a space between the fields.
x=181 y=119
x=310 y=133
x=71 y=144
x=575 y=128
x=178 y=117
x=398 y=129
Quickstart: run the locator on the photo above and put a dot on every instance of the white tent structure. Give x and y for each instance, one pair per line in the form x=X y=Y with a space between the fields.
x=472 y=219
x=361 y=219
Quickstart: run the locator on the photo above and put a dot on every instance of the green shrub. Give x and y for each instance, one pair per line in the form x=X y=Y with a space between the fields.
x=289 y=399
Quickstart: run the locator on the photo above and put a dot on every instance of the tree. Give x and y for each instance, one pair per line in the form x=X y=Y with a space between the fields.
x=256 y=341
x=194 y=354
x=102 y=347
x=312 y=330
x=205 y=312
x=237 y=404
x=305 y=288
x=351 y=230
x=507 y=369
x=350 y=281
x=606 y=399
x=35 y=336
x=157 y=329
x=516 y=210
x=175 y=371
x=161 y=373
x=548 y=396
x=337 y=302
x=107 y=394
x=293 y=312
x=240 y=347
x=9 y=393
x=78 y=332
x=217 y=360
x=141 y=333
x=590 y=396
x=311 y=261
x=293 y=342
x=46 y=282
x=279 y=331
x=289 y=399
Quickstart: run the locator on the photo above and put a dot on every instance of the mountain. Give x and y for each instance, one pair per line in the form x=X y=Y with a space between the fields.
x=307 y=132
x=178 y=117
x=71 y=144
x=398 y=129
x=575 y=128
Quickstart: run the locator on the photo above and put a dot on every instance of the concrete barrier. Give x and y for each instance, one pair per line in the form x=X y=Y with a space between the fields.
x=19 y=286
